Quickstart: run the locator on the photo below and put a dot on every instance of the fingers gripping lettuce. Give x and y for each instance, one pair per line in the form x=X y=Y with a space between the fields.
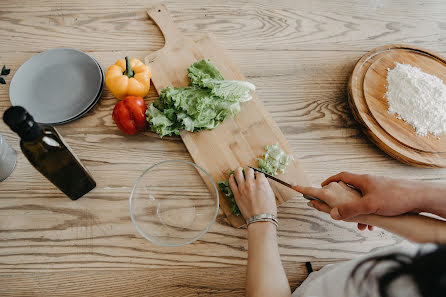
x=206 y=102
x=274 y=160
x=226 y=190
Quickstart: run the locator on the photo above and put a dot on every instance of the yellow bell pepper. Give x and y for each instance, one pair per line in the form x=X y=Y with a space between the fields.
x=129 y=77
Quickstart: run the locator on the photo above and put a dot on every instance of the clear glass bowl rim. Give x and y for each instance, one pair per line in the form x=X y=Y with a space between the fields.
x=190 y=240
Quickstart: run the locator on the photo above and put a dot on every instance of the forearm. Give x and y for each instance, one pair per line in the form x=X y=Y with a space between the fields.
x=417 y=228
x=265 y=274
x=432 y=198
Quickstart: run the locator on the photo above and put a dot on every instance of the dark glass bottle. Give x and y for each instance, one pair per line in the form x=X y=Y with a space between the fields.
x=47 y=152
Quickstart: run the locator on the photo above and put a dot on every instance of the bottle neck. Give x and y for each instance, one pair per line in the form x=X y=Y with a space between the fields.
x=22 y=123
x=33 y=133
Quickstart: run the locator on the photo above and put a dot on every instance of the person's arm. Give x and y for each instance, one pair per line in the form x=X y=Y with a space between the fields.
x=265 y=274
x=414 y=227
x=417 y=228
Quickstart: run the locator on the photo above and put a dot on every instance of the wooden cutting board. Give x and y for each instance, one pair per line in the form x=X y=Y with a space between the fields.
x=236 y=142
x=367 y=88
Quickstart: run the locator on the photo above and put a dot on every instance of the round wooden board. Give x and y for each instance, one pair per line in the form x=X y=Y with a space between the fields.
x=366 y=89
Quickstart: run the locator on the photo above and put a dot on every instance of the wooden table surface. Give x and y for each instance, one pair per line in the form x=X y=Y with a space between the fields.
x=298 y=53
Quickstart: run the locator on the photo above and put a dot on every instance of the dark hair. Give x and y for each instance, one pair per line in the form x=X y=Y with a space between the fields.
x=427 y=270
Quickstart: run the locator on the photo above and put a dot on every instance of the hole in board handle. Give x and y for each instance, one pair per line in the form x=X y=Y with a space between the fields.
x=159 y=10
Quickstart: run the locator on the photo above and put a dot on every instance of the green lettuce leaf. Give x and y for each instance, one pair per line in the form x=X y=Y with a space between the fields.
x=203 y=69
x=160 y=123
x=206 y=102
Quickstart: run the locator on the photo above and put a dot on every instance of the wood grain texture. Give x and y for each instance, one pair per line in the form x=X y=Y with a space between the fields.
x=184 y=282
x=367 y=88
x=299 y=54
x=236 y=142
x=259 y=24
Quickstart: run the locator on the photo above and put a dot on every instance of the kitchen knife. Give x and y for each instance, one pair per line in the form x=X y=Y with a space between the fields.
x=285 y=184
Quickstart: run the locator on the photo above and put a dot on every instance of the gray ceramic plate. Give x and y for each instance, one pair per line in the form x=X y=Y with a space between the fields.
x=57 y=85
x=92 y=104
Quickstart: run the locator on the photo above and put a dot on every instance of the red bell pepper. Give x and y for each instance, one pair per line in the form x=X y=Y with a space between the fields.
x=130 y=115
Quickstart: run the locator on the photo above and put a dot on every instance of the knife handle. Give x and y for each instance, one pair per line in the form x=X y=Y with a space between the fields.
x=308 y=197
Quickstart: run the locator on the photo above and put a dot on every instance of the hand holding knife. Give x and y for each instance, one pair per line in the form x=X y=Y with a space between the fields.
x=422 y=228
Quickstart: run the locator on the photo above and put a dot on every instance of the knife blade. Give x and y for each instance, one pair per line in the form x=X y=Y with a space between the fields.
x=308 y=197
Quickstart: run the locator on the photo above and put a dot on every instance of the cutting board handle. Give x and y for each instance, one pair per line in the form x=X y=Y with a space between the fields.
x=160 y=15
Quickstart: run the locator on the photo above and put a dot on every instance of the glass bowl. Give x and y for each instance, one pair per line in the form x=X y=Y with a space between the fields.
x=171 y=205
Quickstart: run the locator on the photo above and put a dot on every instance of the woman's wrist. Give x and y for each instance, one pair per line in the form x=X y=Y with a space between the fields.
x=265 y=217
x=261 y=227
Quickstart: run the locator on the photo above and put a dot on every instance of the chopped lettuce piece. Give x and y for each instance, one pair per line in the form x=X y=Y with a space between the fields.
x=226 y=190
x=203 y=105
x=274 y=159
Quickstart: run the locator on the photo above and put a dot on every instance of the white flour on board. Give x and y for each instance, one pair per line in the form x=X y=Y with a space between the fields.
x=418 y=98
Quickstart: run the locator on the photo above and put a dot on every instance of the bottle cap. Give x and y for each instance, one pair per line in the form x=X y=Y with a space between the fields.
x=21 y=122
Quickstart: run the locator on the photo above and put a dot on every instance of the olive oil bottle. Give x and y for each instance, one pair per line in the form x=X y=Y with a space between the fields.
x=46 y=151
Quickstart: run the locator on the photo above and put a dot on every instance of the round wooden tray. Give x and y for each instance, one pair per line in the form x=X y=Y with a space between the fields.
x=366 y=89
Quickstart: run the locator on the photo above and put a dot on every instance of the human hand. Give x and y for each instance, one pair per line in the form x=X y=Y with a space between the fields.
x=252 y=193
x=388 y=196
x=333 y=194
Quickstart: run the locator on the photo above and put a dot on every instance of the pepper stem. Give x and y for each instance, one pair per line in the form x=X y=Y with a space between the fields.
x=128 y=70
